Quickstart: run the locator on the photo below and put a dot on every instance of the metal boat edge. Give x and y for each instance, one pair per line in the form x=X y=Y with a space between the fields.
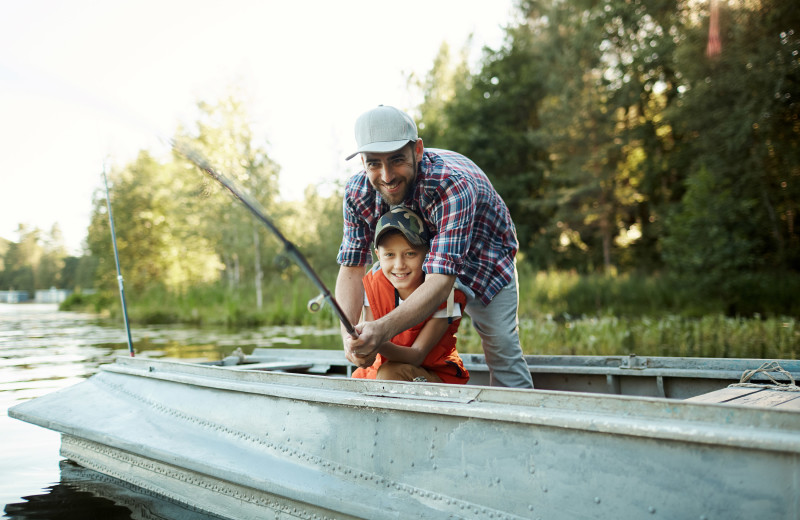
x=244 y=443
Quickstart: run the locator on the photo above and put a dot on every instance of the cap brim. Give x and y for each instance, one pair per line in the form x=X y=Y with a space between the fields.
x=380 y=147
x=414 y=240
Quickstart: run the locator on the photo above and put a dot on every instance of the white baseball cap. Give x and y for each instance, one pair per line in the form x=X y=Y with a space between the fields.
x=383 y=129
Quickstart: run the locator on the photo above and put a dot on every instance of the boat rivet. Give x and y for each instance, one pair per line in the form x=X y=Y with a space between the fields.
x=497 y=480
x=530 y=507
x=544 y=488
x=391 y=461
x=703 y=517
x=465 y=474
x=596 y=500
x=412 y=464
x=652 y=510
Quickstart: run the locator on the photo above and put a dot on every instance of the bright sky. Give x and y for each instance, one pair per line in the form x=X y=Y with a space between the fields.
x=82 y=81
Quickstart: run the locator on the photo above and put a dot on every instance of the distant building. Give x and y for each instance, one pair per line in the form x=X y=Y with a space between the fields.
x=13 y=296
x=52 y=295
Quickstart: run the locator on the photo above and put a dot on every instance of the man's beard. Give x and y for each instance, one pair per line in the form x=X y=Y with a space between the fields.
x=396 y=197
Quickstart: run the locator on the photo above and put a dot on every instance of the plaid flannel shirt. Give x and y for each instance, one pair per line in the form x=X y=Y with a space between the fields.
x=473 y=235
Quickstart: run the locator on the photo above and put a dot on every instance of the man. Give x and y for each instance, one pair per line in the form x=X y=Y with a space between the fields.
x=474 y=242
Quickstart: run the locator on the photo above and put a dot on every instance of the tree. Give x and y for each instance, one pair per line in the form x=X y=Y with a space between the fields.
x=156 y=244
x=491 y=117
x=739 y=138
x=223 y=135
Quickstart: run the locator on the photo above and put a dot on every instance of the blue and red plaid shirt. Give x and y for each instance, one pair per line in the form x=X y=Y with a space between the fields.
x=473 y=235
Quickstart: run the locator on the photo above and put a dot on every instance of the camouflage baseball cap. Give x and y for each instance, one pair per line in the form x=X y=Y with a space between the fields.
x=407 y=222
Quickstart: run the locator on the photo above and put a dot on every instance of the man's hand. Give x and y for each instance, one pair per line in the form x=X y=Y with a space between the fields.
x=370 y=338
x=350 y=295
x=356 y=351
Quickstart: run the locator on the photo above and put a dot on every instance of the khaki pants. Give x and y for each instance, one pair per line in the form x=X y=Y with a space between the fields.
x=393 y=371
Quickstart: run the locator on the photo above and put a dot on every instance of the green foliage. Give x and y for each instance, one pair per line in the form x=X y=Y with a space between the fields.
x=95 y=302
x=155 y=243
x=562 y=295
x=36 y=261
x=709 y=336
x=712 y=232
x=618 y=144
x=739 y=140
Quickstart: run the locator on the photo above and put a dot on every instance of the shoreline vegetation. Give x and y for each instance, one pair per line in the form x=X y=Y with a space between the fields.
x=561 y=313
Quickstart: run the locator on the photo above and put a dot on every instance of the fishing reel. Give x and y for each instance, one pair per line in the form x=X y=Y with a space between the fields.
x=316 y=303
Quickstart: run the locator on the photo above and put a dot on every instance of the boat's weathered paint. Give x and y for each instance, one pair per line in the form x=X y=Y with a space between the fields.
x=249 y=444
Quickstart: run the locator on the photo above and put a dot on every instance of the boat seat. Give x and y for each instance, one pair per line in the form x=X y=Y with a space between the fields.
x=273 y=366
x=748 y=396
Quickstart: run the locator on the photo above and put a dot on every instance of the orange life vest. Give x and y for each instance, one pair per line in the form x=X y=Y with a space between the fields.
x=443 y=359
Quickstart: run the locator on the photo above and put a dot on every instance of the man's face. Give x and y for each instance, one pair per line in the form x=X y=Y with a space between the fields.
x=393 y=174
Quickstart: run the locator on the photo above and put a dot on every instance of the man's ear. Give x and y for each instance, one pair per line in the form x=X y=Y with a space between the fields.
x=418 y=148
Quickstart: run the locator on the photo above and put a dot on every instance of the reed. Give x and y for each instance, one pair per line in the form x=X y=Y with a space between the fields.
x=560 y=313
x=709 y=336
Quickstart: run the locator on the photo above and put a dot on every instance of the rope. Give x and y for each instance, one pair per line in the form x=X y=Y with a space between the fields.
x=766 y=368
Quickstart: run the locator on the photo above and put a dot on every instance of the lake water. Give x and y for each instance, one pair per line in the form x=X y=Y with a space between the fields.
x=43 y=350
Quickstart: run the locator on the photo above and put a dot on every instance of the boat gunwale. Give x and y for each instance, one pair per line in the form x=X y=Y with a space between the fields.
x=661 y=418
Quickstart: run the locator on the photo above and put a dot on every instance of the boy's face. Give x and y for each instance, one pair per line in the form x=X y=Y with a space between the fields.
x=401 y=263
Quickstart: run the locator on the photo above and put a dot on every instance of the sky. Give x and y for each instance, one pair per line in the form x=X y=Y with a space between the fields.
x=86 y=83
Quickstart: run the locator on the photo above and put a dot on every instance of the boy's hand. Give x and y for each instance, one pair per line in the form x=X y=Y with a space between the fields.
x=361 y=362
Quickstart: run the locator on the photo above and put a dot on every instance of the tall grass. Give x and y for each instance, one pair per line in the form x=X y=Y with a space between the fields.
x=709 y=336
x=560 y=313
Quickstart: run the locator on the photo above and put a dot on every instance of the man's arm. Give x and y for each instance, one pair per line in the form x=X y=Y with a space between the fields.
x=422 y=303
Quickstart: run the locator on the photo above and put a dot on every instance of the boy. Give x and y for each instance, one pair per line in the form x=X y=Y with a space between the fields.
x=427 y=351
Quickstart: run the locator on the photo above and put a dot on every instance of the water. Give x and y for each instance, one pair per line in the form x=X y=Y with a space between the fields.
x=43 y=350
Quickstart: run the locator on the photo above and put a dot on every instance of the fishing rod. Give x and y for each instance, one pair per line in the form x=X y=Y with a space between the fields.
x=116 y=260
x=315 y=304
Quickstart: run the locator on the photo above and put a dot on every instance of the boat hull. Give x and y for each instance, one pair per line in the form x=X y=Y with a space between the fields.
x=249 y=444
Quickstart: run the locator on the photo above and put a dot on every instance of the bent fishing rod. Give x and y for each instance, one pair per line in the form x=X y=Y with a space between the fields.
x=116 y=260
x=315 y=304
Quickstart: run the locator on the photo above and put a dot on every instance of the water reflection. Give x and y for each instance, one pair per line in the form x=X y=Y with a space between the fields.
x=83 y=493
x=43 y=350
